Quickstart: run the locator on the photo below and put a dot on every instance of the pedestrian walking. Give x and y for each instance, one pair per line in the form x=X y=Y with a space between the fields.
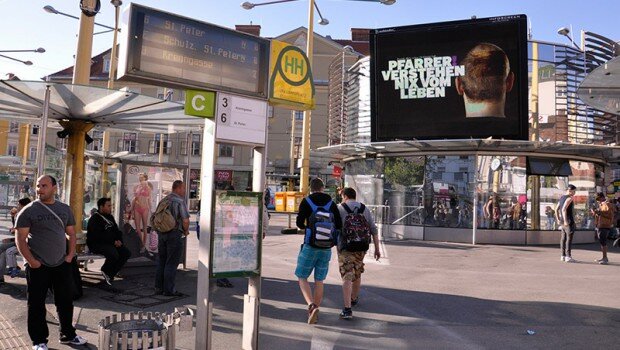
x=42 y=228
x=565 y=218
x=358 y=226
x=104 y=237
x=318 y=216
x=170 y=242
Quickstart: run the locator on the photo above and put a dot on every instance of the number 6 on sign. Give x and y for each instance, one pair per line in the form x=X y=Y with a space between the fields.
x=224 y=118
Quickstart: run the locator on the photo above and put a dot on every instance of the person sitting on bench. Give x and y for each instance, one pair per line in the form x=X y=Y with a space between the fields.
x=103 y=237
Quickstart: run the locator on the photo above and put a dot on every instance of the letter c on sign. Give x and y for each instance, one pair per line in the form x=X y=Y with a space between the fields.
x=195 y=105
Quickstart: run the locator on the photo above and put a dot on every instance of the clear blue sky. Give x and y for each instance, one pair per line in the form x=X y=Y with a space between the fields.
x=25 y=25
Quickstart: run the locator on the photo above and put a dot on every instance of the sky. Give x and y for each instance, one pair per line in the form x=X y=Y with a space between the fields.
x=26 y=26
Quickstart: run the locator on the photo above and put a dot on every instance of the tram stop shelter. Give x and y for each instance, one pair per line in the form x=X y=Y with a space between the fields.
x=77 y=109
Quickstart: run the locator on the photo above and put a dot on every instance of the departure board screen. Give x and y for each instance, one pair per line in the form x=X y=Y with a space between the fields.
x=166 y=49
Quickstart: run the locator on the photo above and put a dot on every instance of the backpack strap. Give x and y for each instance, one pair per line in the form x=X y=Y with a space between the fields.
x=313 y=206
x=361 y=209
x=346 y=208
x=327 y=206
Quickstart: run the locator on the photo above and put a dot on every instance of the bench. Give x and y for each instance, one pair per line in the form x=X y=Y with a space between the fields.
x=86 y=258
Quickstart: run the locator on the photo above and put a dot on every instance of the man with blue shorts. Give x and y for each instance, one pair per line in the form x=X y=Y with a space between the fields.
x=312 y=258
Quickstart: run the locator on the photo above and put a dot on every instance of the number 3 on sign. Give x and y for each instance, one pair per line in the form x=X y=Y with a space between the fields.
x=224 y=110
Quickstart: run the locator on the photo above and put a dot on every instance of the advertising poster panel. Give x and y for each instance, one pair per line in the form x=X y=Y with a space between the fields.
x=236 y=239
x=451 y=80
x=143 y=187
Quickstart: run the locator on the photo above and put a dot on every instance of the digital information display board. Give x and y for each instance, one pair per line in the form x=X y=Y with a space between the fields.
x=164 y=49
x=450 y=80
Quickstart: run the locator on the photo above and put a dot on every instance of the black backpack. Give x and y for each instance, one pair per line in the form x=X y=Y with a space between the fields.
x=321 y=230
x=356 y=233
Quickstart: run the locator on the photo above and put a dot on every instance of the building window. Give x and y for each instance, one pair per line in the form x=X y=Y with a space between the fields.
x=195 y=146
x=62 y=143
x=97 y=144
x=129 y=142
x=106 y=65
x=12 y=150
x=14 y=127
x=35 y=130
x=33 y=153
x=299 y=115
x=155 y=144
x=226 y=151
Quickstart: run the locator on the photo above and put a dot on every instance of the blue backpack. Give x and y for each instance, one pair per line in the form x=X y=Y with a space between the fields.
x=320 y=229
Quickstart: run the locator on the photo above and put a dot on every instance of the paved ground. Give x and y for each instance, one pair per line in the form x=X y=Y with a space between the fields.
x=421 y=295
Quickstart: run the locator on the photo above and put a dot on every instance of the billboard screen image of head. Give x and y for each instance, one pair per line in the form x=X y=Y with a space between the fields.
x=450 y=80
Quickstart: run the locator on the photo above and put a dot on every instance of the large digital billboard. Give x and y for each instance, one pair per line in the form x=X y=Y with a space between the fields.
x=160 y=48
x=450 y=80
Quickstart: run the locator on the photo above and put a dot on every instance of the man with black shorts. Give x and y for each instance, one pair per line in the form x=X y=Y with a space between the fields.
x=603 y=219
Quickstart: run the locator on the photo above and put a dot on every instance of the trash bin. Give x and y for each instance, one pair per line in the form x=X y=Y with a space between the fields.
x=290 y=201
x=140 y=330
x=280 y=200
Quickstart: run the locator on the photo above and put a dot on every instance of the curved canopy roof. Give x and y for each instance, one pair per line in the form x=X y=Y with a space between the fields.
x=117 y=109
x=481 y=146
x=601 y=88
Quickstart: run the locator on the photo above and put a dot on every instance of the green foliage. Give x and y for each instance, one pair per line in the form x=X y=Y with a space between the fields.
x=400 y=171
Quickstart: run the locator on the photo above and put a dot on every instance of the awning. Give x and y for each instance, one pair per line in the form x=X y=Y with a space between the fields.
x=118 y=109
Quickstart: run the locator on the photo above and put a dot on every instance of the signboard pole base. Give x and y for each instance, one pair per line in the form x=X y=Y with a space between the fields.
x=251 y=307
x=203 y=304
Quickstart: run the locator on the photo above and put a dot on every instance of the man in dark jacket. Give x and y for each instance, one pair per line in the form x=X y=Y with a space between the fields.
x=103 y=237
x=312 y=258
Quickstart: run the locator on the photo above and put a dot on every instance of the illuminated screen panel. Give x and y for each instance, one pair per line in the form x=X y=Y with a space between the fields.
x=450 y=80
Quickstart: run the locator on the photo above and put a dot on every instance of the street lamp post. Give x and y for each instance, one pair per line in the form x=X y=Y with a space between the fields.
x=28 y=63
x=304 y=175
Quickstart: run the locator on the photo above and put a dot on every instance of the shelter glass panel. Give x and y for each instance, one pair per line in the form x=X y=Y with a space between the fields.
x=502 y=194
x=448 y=193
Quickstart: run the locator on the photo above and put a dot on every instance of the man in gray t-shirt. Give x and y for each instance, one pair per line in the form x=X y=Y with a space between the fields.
x=43 y=227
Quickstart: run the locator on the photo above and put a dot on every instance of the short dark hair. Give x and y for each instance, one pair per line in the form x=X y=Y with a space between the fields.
x=176 y=184
x=52 y=179
x=102 y=201
x=24 y=201
x=486 y=70
x=571 y=187
x=349 y=192
x=316 y=185
x=600 y=195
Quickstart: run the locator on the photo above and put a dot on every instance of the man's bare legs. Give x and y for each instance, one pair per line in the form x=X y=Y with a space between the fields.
x=306 y=290
x=312 y=299
x=350 y=291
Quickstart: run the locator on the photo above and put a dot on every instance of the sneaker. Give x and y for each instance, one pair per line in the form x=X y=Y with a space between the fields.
x=313 y=313
x=107 y=278
x=569 y=259
x=41 y=346
x=77 y=340
x=563 y=258
x=355 y=301
x=14 y=272
x=346 y=314
x=603 y=261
